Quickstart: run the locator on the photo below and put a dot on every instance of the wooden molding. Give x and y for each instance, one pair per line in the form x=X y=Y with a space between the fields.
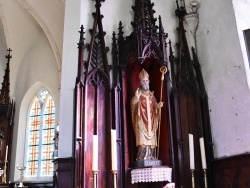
x=232 y=171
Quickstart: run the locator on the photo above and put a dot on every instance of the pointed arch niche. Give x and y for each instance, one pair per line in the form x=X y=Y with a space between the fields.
x=30 y=98
x=144 y=48
x=131 y=82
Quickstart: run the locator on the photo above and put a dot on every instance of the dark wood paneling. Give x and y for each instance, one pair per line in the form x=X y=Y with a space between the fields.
x=183 y=111
x=232 y=172
x=63 y=171
x=7 y=113
x=93 y=109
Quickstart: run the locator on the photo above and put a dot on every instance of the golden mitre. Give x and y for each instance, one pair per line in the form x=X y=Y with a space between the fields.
x=143 y=74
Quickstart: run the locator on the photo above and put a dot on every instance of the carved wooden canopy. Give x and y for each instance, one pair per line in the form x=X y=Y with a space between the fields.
x=102 y=102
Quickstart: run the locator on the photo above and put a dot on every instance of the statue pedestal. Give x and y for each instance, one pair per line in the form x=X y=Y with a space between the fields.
x=151 y=174
x=147 y=163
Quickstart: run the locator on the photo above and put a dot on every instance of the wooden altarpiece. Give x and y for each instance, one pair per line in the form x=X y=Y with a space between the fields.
x=190 y=112
x=100 y=106
x=144 y=48
x=186 y=102
x=7 y=110
x=93 y=108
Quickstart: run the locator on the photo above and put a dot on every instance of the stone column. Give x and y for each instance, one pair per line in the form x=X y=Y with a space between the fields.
x=72 y=21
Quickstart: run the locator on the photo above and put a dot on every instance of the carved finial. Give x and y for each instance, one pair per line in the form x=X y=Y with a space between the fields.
x=81 y=47
x=98 y=3
x=113 y=38
x=4 y=96
x=8 y=56
x=160 y=25
x=120 y=33
x=181 y=10
x=144 y=16
x=81 y=40
x=97 y=57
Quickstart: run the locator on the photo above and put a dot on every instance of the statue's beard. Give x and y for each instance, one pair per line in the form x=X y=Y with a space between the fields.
x=145 y=87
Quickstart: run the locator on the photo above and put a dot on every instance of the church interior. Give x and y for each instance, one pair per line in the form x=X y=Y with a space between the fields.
x=124 y=94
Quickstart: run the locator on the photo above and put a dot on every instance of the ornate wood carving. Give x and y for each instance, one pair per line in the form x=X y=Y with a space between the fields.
x=63 y=173
x=190 y=106
x=7 y=112
x=98 y=108
x=93 y=108
x=144 y=48
x=206 y=128
x=79 y=116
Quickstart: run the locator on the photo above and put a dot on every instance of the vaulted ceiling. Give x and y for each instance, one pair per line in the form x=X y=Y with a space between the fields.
x=22 y=22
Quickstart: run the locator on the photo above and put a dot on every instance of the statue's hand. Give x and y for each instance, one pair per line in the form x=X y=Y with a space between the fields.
x=160 y=105
x=137 y=94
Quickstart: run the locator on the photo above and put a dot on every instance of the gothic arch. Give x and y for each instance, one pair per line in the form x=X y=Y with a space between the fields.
x=20 y=128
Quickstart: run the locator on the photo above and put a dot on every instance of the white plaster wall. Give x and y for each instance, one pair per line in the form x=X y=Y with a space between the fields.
x=3 y=52
x=72 y=24
x=223 y=68
x=38 y=66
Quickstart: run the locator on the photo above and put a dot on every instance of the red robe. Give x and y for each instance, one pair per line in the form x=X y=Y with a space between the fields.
x=145 y=118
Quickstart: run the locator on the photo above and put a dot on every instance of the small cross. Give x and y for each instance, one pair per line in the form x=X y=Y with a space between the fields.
x=9 y=50
x=8 y=56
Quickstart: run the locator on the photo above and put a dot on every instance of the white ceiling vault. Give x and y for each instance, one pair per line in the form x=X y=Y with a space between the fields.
x=22 y=22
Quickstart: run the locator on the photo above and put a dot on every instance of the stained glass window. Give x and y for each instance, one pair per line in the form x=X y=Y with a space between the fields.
x=40 y=134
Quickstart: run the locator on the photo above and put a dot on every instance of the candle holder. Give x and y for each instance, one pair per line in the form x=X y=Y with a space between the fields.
x=114 y=172
x=193 y=183
x=205 y=177
x=95 y=172
x=4 y=177
x=21 y=168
